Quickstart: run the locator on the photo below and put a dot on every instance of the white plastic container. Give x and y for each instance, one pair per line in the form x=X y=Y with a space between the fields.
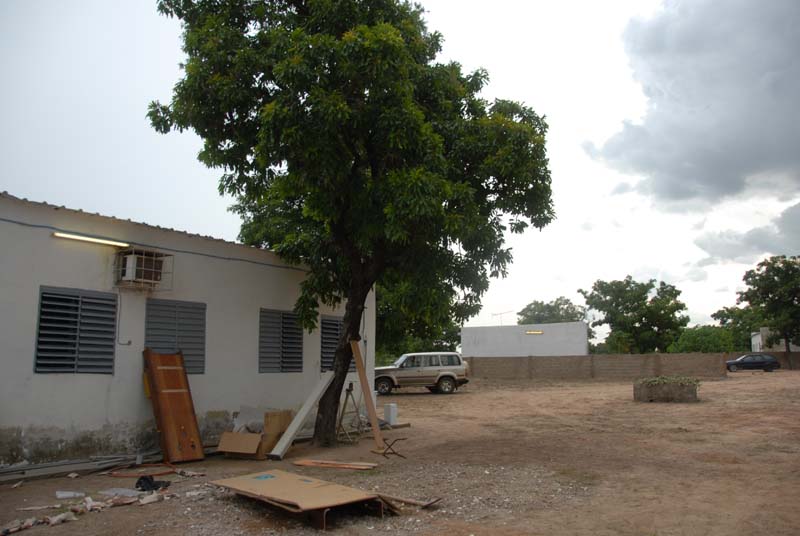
x=390 y=414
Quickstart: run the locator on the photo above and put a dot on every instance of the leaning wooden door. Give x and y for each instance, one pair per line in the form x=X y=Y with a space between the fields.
x=173 y=407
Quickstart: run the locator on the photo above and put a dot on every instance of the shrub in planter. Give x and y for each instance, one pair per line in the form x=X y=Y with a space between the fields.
x=666 y=389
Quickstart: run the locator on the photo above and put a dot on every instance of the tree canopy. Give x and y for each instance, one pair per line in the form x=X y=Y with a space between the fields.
x=351 y=151
x=703 y=339
x=643 y=317
x=741 y=322
x=773 y=288
x=559 y=310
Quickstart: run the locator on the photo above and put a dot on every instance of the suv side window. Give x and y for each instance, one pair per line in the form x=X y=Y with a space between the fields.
x=411 y=361
x=449 y=360
x=433 y=361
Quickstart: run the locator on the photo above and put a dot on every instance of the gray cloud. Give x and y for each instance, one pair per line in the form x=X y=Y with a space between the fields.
x=722 y=79
x=782 y=237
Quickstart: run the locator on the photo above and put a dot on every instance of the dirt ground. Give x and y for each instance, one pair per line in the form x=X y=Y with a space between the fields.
x=520 y=458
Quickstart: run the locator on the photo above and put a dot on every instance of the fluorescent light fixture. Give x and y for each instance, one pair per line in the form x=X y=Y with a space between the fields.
x=91 y=239
x=534 y=332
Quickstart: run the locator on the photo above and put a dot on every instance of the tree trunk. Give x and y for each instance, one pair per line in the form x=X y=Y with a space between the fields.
x=788 y=347
x=325 y=426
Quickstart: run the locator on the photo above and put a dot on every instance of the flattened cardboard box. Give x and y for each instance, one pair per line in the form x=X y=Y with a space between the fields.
x=256 y=446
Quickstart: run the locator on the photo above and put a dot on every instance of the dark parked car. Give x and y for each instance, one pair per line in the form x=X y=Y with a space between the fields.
x=763 y=362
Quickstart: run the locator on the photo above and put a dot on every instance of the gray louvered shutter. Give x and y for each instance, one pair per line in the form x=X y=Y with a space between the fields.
x=291 y=343
x=172 y=326
x=280 y=342
x=269 y=341
x=331 y=329
x=77 y=331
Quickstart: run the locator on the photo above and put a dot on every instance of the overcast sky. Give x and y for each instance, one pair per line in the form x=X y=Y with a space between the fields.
x=674 y=131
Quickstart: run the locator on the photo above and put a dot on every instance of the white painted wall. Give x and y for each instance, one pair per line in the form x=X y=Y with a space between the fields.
x=233 y=291
x=758 y=343
x=566 y=338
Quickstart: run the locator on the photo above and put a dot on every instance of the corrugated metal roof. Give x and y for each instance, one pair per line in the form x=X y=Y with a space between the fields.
x=6 y=195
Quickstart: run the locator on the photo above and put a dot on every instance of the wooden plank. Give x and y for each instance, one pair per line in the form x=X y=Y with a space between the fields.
x=366 y=389
x=288 y=436
x=294 y=492
x=173 y=406
x=360 y=466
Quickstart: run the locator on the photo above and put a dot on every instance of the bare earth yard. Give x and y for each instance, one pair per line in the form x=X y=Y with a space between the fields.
x=521 y=458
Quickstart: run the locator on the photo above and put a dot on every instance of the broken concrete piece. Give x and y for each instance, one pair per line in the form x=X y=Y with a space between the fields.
x=18 y=484
x=122 y=501
x=69 y=494
x=92 y=505
x=120 y=492
x=73 y=475
x=150 y=499
x=60 y=518
x=30 y=522
x=189 y=474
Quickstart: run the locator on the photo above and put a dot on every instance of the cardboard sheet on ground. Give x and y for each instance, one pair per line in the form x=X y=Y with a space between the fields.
x=293 y=492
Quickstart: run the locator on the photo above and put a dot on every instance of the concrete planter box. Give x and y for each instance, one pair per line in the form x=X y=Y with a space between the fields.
x=667 y=392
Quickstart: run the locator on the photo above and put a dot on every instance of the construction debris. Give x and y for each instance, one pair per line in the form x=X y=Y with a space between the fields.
x=360 y=466
x=61 y=518
x=73 y=475
x=150 y=499
x=120 y=492
x=69 y=494
x=18 y=484
x=35 y=508
x=422 y=504
x=288 y=436
x=299 y=494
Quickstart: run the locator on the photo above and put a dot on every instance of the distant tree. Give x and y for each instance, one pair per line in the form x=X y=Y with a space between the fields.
x=409 y=319
x=643 y=317
x=773 y=287
x=350 y=151
x=703 y=339
x=741 y=322
x=559 y=310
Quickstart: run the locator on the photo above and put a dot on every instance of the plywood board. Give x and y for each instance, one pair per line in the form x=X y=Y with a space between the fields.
x=288 y=436
x=294 y=492
x=275 y=425
x=239 y=443
x=172 y=406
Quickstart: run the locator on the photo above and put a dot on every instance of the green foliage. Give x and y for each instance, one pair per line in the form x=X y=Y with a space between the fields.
x=559 y=310
x=773 y=288
x=643 y=318
x=350 y=151
x=740 y=322
x=668 y=380
x=404 y=324
x=703 y=339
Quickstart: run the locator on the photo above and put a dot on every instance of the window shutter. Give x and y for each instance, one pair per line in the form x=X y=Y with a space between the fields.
x=172 y=326
x=280 y=342
x=269 y=341
x=331 y=329
x=291 y=344
x=77 y=331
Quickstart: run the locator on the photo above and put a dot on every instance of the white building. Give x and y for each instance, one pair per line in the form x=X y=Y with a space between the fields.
x=75 y=316
x=758 y=343
x=558 y=339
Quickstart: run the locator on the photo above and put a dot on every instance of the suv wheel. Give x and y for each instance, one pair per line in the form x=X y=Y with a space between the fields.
x=733 y=368
x=446 y=385
x=383 y=386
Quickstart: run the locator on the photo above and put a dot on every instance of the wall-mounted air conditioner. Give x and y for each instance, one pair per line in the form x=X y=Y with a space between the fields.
x=140 y=268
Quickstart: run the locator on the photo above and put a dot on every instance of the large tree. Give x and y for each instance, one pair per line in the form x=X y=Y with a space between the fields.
x=773 y=287
x=703 y=339
x=559 y=310
x=350 y=151
x=741 y=322
x=643 y=317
